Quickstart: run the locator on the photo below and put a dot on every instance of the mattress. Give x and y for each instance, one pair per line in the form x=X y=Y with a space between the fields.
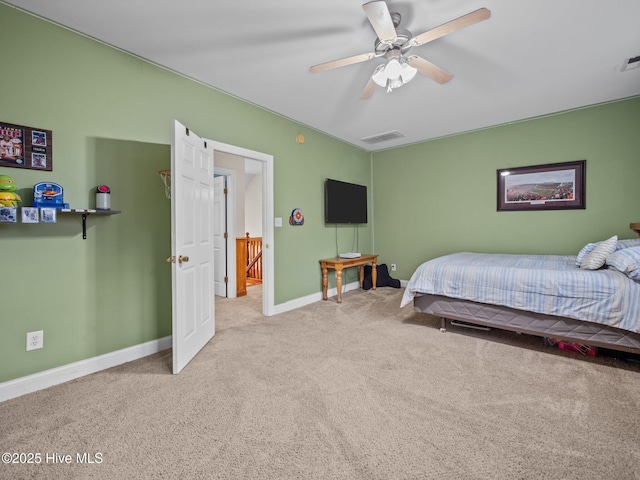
x=532 y=323
x=546 y=284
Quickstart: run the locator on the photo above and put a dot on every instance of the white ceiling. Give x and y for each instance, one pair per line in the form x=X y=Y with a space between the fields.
x=531 y=58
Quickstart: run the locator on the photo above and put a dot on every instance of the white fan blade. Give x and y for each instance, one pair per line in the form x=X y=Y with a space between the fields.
x=429 y=69
x=363 y=57
x=380 y=19
x=450 y=27
x=370 y=87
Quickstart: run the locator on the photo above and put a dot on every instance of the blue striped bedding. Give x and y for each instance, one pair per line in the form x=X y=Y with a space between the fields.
x=549 y=284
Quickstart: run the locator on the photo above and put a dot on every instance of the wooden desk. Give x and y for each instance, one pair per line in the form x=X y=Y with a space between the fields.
x=635 y=227
x=338 y=264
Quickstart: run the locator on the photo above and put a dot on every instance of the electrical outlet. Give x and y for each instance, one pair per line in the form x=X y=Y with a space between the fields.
x=393 y=267
x=35 y=340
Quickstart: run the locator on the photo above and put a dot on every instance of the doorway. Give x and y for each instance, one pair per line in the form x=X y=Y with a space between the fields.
x=238 y=216
x=239 y=165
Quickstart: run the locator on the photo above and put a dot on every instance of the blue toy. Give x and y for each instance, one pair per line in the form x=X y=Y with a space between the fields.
x=48 y=195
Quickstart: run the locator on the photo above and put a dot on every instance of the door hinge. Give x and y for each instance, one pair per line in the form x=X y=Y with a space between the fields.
x=226 y=235
x=226 y=191
x=226 y=279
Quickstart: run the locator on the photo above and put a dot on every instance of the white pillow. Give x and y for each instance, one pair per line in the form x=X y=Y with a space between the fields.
x=622 y=244
x=586 y=250
x=629 y=243
x=596 y=258
x=625 y=260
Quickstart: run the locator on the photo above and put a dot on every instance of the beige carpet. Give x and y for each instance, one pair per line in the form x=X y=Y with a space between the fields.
x=361 y=390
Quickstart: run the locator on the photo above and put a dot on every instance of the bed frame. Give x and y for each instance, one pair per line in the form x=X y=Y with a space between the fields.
x=520 y=321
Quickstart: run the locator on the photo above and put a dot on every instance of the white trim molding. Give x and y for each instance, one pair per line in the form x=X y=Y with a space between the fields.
x=268 y=260
x=313 y=298
x=49 y=378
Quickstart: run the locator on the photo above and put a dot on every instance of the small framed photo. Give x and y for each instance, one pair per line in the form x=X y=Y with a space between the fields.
x=38 y=160
x=48 y=215
x=38 y=138
x=8 y=214
x=30 y=215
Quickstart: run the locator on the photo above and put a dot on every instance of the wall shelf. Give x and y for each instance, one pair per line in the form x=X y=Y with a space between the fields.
x=84 y=213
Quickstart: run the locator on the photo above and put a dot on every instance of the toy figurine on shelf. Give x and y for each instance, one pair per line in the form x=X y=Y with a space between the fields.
x=8 y=197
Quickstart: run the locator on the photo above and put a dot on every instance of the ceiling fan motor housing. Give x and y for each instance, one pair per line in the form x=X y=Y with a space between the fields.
x=401 y=43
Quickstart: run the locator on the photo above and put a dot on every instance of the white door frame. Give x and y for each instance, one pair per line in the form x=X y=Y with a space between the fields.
x=231 y=225
x=268 y=297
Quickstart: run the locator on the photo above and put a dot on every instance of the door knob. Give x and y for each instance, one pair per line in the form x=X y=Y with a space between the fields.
x=181 y=259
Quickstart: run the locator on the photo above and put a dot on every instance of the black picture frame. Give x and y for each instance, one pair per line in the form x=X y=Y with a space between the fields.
x=552 y=186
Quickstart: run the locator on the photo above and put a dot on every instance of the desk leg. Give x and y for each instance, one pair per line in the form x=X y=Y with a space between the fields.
x=339 y=282
x=361 y=271
x=374 y=274
x=325 y=283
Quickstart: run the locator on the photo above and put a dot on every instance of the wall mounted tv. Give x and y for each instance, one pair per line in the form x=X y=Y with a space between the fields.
x=344 y=202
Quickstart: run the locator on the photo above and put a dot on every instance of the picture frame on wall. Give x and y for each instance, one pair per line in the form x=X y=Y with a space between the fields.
x=26 y=147
x=552 y=186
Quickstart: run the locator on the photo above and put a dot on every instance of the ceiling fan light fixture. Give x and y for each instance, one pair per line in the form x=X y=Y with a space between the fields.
x=408 y=72
x=394 y=74
x=394 y=83
x=393 y=68
x=380 y=77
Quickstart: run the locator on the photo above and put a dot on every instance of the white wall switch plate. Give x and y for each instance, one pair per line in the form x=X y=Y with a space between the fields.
x=278 y=222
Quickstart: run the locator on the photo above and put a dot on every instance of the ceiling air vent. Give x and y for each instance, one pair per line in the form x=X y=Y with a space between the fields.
x=631 y=63
x=382 y=137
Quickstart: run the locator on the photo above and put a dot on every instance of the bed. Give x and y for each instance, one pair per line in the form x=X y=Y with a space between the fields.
x=550 y=296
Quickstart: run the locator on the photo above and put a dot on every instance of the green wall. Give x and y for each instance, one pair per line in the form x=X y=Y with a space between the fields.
x=440 y=196
x=111 y=115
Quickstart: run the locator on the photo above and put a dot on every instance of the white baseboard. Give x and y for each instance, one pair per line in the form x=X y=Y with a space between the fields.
x=48 y=378
x=315 y=297
x=312 y=298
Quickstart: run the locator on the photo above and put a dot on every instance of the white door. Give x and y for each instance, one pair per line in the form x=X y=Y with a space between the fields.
x=220 y=235
x=191 y=244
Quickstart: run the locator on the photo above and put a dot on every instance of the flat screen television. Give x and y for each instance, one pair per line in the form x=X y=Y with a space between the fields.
x=344 y=202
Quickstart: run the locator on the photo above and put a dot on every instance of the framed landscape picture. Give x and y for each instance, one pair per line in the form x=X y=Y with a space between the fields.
x=554 y=186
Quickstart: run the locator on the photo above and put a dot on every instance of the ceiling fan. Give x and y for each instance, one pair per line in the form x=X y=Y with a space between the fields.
x=393 y=43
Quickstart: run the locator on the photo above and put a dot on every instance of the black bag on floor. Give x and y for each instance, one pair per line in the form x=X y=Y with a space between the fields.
x=383 y=279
